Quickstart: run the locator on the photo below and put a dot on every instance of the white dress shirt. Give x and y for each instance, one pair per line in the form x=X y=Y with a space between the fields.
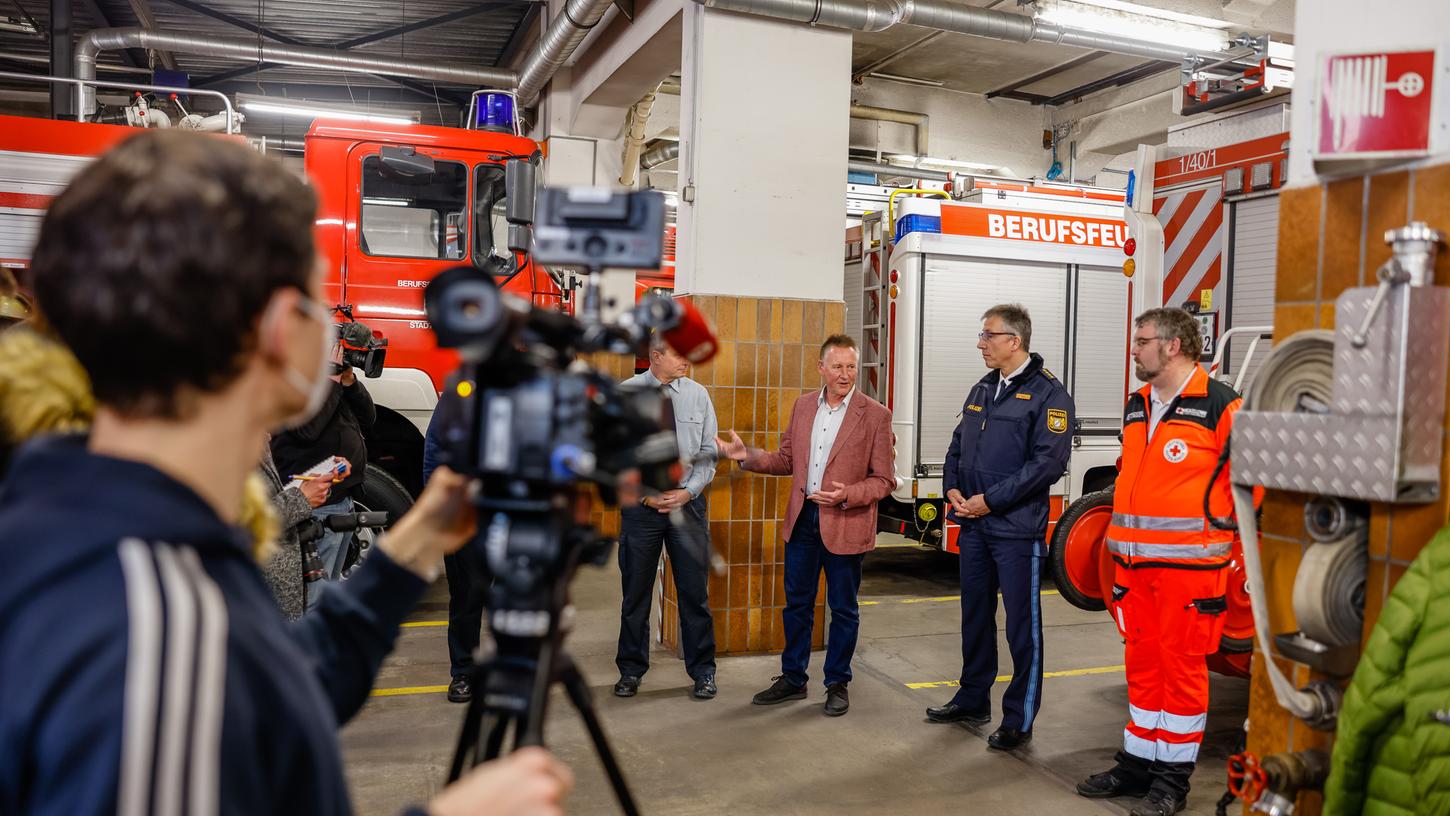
x=1159 y=404
x=824 y=427
x=1006 y=380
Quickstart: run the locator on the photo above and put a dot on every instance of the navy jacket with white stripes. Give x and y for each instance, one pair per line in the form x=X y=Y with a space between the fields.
x=145 y=667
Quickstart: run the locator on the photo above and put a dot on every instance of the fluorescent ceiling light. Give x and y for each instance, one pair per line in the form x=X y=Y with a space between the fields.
x=389 y=202
x=932 y=83
x=1138 y=22
x=315 y=110
x=920 y=161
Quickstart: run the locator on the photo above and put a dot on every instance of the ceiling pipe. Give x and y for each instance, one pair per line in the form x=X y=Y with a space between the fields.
x=556 y=45
x=855 y=166
x=107 y=39
x=660 y=155
x=635 y=122
x=949 y=15
x=920 y=121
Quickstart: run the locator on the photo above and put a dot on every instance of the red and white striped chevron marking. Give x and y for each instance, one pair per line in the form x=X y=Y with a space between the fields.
x=1193 y=234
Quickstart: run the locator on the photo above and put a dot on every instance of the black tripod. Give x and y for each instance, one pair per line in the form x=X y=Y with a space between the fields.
x=511 y=688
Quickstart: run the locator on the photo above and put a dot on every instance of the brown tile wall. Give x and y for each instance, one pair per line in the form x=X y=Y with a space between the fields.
x=767 y=359
x=1331 y=238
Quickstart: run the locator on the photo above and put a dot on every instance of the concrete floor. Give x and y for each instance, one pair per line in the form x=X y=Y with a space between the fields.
x=685 y=757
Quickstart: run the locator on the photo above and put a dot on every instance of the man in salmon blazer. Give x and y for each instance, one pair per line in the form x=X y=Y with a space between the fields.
x=838 y=453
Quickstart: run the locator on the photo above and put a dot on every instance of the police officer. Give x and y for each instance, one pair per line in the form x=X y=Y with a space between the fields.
x=1011 y=445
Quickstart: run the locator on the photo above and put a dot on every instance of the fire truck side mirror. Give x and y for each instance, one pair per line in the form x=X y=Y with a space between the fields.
x=522 y=185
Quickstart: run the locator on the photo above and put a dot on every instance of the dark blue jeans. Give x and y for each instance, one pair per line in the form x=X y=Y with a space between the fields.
x=645 y=532
x=1015 y=567
x=805 y=556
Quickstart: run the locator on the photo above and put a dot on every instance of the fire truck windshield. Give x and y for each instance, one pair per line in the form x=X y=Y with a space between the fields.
x=414 y=216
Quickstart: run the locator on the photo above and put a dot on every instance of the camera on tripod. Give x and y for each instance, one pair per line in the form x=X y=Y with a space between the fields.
x=532 y=423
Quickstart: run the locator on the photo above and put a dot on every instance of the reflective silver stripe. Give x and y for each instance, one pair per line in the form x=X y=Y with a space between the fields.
x=1139 y=747
x=1170 y=552
x=1182 y=723
x=1171 y=524
x=1143 y=718
x=1177 y=751
x=179 y=683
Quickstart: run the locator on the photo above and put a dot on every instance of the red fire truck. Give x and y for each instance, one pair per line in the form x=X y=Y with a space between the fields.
x=384 y=234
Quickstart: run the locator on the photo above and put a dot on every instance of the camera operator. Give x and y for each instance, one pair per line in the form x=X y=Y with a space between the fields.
x=335 y=430
x=157 y=674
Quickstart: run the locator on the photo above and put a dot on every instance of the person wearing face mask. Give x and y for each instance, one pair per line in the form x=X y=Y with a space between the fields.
x=144 y=666
x=336 y=428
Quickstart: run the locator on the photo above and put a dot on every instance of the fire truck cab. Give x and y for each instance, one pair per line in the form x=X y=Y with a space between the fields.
x=397 y=204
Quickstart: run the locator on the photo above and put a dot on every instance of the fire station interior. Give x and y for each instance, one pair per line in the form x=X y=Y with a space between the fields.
x=889 y=172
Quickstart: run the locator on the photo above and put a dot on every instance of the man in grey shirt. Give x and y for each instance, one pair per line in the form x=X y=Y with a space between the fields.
x=648 y=526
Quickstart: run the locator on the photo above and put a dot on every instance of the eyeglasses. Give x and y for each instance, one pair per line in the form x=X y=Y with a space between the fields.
x=1142 y=342
x=988 y=335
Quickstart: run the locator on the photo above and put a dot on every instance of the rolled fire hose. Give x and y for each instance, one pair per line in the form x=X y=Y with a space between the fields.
x=1297 y=377
x=1329 y=591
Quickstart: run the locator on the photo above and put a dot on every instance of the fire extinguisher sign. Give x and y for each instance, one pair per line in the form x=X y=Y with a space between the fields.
x=1376 y=105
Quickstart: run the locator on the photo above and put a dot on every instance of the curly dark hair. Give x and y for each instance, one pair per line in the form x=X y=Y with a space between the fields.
x=155 y=263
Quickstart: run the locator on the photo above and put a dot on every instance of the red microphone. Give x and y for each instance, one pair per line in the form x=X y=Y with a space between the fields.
x=691 y=334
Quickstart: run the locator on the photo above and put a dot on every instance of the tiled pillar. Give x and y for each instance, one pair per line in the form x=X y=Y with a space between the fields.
x=1331 y=238
x=767 y=359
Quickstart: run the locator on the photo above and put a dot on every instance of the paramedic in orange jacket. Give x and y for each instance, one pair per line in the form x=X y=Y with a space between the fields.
x=1172 y=566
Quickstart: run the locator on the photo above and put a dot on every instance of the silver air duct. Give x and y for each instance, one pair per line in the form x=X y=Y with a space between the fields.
x=109 y=39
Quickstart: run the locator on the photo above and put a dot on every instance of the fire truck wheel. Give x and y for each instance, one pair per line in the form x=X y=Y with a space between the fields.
x=1076 y=555
x=379 y=491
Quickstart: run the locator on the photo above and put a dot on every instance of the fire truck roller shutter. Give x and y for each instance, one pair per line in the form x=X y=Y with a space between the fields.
x=1255 y=237
x=956 y=292
x=1100 y=349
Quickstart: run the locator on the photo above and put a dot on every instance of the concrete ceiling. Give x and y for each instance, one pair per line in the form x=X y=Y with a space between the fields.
x=1039 y=72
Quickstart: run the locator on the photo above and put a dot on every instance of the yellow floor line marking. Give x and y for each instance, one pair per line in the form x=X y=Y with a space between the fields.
x=1007 y=677
x=939 y=599
x=416 y=624
x=399 y=692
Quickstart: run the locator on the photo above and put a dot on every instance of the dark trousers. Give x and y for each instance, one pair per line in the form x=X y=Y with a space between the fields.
x=467 y=592
x=1015 y=567
x=805 y=556
x=644 y=533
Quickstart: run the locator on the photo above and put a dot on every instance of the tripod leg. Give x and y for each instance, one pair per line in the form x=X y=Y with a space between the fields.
x=578 y=692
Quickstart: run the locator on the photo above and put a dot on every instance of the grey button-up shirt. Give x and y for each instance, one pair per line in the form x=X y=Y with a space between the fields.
x=824 y=427
x=695 y=428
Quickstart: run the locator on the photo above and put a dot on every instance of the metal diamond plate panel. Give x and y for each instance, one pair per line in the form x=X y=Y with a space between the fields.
x=1382 y=440
x=1329 y=455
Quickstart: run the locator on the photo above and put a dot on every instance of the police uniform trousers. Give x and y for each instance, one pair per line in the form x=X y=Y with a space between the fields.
x=1014 y=566
x=644 y=532
x=1170 y=619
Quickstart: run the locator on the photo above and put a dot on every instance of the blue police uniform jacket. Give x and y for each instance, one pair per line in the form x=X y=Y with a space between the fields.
x=145 y=666
x=1011 y=449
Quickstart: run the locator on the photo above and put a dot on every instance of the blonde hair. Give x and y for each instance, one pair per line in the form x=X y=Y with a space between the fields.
x=44 y=390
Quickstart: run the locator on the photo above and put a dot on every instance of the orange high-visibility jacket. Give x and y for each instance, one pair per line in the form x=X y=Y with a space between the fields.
x=1158 y=516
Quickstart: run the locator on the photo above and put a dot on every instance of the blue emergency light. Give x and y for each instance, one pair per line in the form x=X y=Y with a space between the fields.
x=495 y=112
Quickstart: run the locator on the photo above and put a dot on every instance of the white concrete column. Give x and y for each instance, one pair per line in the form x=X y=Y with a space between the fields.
x=764 y=126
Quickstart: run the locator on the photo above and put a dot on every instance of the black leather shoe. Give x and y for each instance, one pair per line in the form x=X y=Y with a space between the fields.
x=705 y=688
x=779 y=691
x=838 y=702
x=951 y=712
x=627 y=686
x=1158 y=803
x=1007 y=739
x=459 y=691
x=1112 y=783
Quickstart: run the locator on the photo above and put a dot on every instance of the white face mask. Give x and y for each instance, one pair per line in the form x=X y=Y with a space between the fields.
x=320 y=383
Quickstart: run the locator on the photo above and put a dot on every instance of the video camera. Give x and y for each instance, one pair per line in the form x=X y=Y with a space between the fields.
x=362 y=347
x=533 y=422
